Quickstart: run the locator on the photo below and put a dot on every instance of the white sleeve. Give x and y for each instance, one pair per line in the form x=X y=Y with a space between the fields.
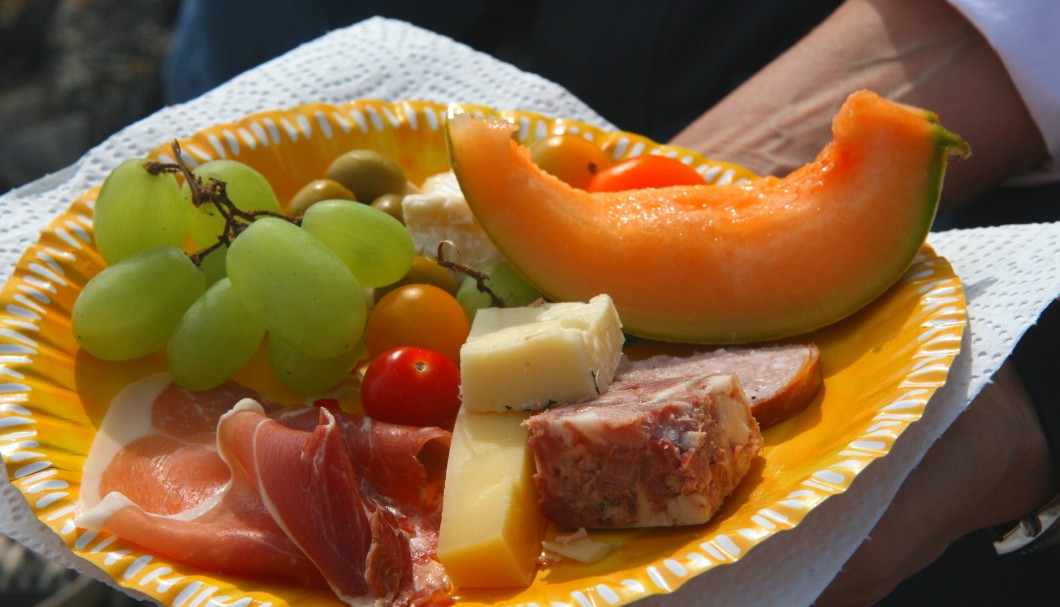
x=1026 y=36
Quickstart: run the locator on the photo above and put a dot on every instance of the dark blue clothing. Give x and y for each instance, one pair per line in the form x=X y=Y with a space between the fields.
x=648 y=67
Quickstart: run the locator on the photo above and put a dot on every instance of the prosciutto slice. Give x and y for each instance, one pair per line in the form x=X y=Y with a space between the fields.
x=316 y=497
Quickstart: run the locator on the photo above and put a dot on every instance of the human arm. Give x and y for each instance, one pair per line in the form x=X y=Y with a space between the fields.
x=920 y=52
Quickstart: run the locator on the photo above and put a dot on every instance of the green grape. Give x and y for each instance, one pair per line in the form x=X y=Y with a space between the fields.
x=130 y=308
x=136 y=210
x=213 y=265
x=246 y=188
x=374 y=246
x=305 y=374
x=297 y=287
x=504 y=281
x=214 y=339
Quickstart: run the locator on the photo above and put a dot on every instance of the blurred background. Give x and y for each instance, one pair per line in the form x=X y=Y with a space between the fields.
x=73 y=72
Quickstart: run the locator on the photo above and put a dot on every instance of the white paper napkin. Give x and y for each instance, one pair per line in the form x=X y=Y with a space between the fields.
x=1010 y=274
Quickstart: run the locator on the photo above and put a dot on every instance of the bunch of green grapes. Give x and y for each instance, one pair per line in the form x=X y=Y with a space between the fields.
x=249 y=274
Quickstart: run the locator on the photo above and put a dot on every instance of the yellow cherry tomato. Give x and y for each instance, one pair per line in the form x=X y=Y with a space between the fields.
x=424 y=270
x=417 y=315
x=572 y=158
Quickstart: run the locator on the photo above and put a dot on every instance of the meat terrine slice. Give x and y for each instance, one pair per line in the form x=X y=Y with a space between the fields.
x=660 y=451
x=779 y=380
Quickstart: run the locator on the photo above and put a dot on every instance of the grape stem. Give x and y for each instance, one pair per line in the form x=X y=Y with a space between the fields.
x=215 y=192
x=480 y=278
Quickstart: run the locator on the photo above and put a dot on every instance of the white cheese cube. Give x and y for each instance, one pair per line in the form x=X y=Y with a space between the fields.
x=439 y=212
x=528 y=358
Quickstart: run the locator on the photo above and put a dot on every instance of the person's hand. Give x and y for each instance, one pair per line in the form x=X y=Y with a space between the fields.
x=993 y=465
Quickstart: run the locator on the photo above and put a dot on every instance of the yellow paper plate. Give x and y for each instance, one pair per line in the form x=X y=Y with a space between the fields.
x=881 y=367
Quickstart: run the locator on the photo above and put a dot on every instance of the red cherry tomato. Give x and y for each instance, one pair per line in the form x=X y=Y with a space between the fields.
x=412 y=386
x=647 y=171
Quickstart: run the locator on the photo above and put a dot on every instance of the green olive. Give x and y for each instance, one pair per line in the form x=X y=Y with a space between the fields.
x=424 y=270
x=315 y=191
x=368 y=174
x=391 y=205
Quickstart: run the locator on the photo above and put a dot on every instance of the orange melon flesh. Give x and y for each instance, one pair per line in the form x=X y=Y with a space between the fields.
x=757 y=261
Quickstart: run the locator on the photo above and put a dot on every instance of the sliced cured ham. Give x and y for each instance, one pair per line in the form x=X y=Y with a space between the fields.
x=779 y=380
x=291 y=470
x=400 y=463
x=363 y=547
x=316 y=497
x=153 y=477
x=402 y=468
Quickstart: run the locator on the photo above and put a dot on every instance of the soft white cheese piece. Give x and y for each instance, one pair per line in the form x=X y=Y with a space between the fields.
x=439 y=212
x=578 y=546
x=528 y=358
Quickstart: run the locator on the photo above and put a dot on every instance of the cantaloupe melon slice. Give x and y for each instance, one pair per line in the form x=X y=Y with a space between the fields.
x=762 y=260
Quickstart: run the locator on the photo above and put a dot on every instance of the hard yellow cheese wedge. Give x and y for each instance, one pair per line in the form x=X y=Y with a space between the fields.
x=528 y=358
x=491 y=527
